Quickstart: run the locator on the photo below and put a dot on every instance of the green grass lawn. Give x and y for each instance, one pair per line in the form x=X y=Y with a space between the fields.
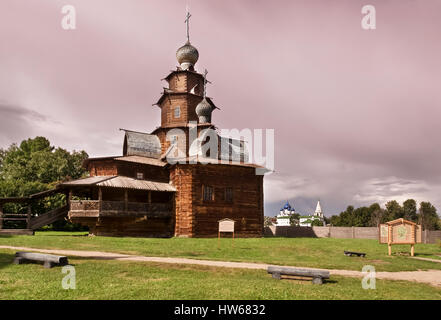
x=136 y=280
x=302 y=252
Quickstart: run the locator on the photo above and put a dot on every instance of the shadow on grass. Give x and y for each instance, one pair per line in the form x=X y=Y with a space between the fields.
x=6 y=259
x=425 y=254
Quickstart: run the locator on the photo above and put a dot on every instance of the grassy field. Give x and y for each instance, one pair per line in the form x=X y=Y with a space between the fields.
x=136 y=280
x=302 y=252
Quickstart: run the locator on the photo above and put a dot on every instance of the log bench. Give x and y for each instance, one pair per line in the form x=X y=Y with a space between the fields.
x=48 y=260
x=351 y=253
x=317 y=276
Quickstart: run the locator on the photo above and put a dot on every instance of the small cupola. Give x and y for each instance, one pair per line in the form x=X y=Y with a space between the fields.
x=204 y=108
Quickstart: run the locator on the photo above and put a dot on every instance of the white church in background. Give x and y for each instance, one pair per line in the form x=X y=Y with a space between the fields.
x=306 y=221
x=284 y=216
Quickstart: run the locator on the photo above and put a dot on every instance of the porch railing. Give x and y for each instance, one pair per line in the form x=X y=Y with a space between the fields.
x=92 y=208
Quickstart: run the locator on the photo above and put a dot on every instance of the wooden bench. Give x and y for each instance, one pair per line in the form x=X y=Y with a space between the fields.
x=48 y=260
x=317 y=276
x=351 y=253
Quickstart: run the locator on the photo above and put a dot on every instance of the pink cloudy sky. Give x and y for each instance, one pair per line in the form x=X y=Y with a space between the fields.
x=356 y=113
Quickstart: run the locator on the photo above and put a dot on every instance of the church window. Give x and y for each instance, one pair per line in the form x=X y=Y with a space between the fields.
x=177 y=112
x=229 y=194
x=208 y=193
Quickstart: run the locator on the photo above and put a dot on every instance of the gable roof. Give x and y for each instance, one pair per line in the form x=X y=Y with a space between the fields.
x=399 y=221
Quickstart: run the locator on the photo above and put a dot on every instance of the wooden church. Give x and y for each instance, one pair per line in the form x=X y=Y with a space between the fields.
x=143 y=193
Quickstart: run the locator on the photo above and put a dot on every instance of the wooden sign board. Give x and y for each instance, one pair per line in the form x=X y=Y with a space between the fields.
x=383 y=233
x=226 y=225
x=400 y=231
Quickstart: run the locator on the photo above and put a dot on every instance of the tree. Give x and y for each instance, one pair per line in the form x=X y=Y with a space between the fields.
x=334 y=220
x=428 y=218
x=294 y=219
x=410 y=210
x=347 y=217
x=393 y=211
x=35 y=166
x=267 y=221
x=317 y=223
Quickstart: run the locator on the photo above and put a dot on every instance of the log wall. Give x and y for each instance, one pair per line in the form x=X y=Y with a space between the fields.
x=198 y=218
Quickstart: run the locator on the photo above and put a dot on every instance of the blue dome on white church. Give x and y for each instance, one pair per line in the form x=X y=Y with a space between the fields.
x=287 y=206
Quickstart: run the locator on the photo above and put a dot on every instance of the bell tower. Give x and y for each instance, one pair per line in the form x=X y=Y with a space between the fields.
x=184 y=102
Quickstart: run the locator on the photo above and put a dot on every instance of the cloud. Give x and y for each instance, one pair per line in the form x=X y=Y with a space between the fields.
x=17 y=121
x=391 y=188
x=356 y=113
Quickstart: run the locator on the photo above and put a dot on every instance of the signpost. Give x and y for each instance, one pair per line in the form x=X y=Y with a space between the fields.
x=225 y=225
x=400 y=231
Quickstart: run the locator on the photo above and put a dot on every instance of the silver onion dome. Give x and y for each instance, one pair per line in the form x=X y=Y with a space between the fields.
x=187 y=56
x=203 y=111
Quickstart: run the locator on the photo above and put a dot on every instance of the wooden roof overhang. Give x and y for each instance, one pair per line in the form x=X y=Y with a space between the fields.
x=201 y=125
x=119 y=182
x=134 y=159
x=34 y=196
x=193 y=160
x=180 y=71
x=168 y=93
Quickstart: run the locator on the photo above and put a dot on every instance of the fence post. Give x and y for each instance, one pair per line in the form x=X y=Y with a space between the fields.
x=353 y=232
x=425 y=236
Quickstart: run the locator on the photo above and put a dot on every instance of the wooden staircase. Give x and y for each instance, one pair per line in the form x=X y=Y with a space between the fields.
x=32 y=223
x=48 y=218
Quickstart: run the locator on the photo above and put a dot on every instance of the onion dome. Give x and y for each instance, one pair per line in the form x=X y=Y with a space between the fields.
x=187 y=56
x=287 y=206
x=203 y=111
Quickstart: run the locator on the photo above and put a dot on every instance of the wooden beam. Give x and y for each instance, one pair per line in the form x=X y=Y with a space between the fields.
x=69 y=198
x=100 y=199
x=126 y=200
x=28 y=217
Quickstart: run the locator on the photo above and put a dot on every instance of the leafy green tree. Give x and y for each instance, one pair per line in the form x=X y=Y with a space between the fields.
x=317 y=223
x=35 y=166
x=393 y=210
x=377 y=215
x=428 y=217
x=334 y=220
x=267 y=221
x=294 y=219
x=347 y=217
x=410 y=210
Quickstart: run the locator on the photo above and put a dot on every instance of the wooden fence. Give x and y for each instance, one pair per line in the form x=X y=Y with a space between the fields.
x=428 y=236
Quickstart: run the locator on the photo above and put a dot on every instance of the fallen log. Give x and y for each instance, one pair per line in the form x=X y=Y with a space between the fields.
x=317 y=276
x=48 y=260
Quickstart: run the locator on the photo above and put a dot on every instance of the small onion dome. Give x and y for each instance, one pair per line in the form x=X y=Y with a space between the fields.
x=203 y=111
x=187 y=56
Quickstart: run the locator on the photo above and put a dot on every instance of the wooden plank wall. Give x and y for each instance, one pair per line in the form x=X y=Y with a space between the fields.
x=198 y=218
